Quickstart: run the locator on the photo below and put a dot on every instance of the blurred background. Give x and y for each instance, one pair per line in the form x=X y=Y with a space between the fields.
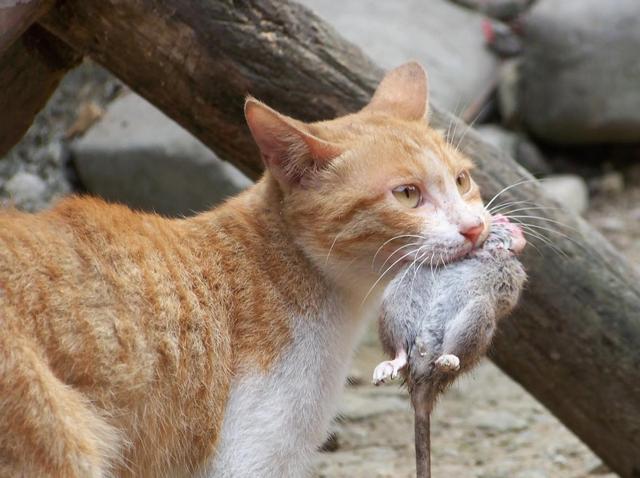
x=554 y=83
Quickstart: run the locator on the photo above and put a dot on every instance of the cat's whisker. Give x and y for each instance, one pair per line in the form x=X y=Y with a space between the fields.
x=470 y=126
x=553 y=231
x=332 y=245
x=433 y=265
x=525 y=209
x=520 y=204
x=452 y=120
x=455 y=122
x=530 y=243
x=416 y=261
x=542 y=218
x=416 y=251
x=382 y=275
x=418 y=254
x=441 y=259
x=415 y=273
x=396 y=251
x=533 y=233
x=402 y=236
x=545 y=243
x=518 y=220
x=511 y=186
x=500 y=206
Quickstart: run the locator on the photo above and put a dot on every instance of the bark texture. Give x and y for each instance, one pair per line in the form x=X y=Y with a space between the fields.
x=30 y=71
x=574 y=342
x=15 y=20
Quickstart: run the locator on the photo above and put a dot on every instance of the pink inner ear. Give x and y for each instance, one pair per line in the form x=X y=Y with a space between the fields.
x=287 y=148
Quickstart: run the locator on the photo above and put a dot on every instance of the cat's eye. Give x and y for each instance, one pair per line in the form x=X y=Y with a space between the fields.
x=463 y=181
x=407 y=195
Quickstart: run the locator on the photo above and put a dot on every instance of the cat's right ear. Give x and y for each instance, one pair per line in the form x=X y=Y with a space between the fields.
x=288 y=149
x=403 y=93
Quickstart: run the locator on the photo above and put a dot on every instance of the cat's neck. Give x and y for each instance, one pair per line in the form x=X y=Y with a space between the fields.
x=250 y=235
x=255 y=219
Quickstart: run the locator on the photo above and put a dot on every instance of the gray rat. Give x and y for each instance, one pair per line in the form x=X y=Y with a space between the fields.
x=440 y=321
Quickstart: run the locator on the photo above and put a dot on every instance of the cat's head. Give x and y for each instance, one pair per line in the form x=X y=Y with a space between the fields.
x=374 y=190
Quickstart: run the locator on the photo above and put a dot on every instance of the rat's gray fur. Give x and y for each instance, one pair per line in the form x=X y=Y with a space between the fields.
x=449 y=311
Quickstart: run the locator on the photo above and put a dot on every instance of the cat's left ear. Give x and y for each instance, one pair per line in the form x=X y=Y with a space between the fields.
x=403 y=93
x=289 y=150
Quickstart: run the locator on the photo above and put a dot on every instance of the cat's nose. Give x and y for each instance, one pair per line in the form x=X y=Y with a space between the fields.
x=473 y=233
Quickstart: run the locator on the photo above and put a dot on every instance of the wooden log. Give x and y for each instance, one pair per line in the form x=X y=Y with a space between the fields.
x=30 y=71
x=16 y=16
x=575 y=341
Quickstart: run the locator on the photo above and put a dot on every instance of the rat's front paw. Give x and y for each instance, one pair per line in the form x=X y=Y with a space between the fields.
x=448 y=363
x=384 y=371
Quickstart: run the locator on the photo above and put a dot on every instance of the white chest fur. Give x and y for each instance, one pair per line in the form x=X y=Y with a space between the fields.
x=275 y=422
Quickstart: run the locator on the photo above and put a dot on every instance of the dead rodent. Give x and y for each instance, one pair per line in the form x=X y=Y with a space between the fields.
x=441 y=321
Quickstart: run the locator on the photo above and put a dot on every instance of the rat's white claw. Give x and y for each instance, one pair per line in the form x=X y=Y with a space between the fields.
x=448 y=363
x=383 y=371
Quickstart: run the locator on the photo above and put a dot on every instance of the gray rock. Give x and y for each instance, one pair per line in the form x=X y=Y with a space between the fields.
x=357 y=406
x=499 y=137
x=496 y=421
x=508 y=81
x=611 y=183
x=445 y=38
x=598 y=468
x=531 y=474
x=517 y=146
x=529 y=156
x=138 y=156
x=610 y=223
x=569 y=190
x=27 y=191
x=580 y=71
x=500 y=9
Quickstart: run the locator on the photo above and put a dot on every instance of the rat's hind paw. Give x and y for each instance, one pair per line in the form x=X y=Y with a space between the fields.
x=383 y=371
x=448 y=363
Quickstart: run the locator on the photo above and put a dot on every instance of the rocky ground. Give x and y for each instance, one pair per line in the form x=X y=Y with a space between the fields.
x=486 y=426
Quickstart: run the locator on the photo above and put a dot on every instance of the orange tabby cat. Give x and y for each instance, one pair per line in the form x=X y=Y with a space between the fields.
x=132 y=344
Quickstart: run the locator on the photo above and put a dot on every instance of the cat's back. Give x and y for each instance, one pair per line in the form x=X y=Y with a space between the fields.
x=123 y=307
x=88 y=256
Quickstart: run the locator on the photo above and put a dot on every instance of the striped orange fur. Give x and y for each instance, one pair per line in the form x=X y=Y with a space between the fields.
x=122 y=334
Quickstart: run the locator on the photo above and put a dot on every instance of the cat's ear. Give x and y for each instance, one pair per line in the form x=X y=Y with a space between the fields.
x=287 y=147
x=403 y=93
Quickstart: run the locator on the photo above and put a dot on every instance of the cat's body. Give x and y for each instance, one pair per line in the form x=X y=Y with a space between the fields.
x=149 y=319
x=217 y=345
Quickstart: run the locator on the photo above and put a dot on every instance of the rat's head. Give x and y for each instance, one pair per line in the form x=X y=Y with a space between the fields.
x=504 y=235
x=374 y=188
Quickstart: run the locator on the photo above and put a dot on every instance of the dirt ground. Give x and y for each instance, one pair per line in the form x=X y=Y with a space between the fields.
x=487 y=426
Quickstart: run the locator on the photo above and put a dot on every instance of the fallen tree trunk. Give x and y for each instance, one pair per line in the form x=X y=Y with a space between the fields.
x=575 y=341
x=15 y=19
x=30 y=71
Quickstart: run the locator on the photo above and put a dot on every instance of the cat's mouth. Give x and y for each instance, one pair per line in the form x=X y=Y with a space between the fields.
x=438 y=256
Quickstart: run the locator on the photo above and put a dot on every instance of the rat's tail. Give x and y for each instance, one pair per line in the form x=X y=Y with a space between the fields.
x=421 y=400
